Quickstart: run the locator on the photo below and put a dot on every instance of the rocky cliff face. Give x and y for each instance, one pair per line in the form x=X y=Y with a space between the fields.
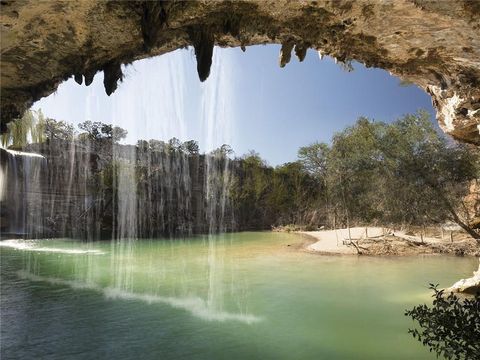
x=93 y=190
x=472 y=204
x=467 y=286
x=434 y=44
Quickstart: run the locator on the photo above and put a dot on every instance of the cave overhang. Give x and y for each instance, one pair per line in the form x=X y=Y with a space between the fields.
x=433 y=44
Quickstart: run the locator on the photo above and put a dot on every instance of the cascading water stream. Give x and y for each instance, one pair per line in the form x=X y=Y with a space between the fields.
x=125 y=204
x=102 y=189
x=217 y=117
x=151 y=182
x=21 y=176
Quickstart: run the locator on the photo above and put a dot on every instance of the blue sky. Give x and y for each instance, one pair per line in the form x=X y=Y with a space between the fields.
x=248 y=100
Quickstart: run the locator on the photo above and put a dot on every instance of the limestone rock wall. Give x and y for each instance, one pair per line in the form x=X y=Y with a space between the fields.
x=472 y=204
x=434 y=44
x=89 y=191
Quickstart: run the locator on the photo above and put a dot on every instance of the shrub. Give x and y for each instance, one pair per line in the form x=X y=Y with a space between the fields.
x=451 y=327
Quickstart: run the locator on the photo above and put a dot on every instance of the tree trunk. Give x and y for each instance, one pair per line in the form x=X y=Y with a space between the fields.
x=356 y=247
x=464 y=226
x=457 y=219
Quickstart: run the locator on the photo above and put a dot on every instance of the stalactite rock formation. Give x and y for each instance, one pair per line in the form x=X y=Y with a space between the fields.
x=433 y=44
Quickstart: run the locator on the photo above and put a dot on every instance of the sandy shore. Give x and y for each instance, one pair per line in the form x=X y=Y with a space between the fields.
x=333 y=241
x=380 y=241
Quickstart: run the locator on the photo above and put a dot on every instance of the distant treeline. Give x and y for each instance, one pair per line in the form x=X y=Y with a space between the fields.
x=400 y=173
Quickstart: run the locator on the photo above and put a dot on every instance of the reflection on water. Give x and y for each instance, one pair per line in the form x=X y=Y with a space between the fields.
x=36 y=245
x=63 y=298
x=196 y=306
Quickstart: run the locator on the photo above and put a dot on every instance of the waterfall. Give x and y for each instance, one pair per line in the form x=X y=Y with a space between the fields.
x=216 y=119
x=97 y=188
x=126 y=219
x=21 y=186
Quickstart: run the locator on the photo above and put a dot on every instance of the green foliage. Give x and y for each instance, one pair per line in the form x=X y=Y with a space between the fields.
x=174 y=144
x=223 y=151
x=314 y=158
x=451 y=327
x=57 y=130
x=156 y=145
x=19 y=131
x=143 y=145
x=35 y=128
x=37 y=131
x=191 y=147
x=429 y=174
x=266 y=196
x=403 y=172
x=354 y=165
x=96 y=131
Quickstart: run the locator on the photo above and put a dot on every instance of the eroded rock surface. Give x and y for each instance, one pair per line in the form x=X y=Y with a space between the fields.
x=467 y=286
x=434 y=44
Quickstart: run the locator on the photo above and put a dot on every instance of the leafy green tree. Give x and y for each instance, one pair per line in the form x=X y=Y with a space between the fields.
x=57 y=130
x=19 y=130
x=248 y=193
x=428 y=174
x=174 y=144
x=32 y=127
x=157 y=145
x=191 y=147
x=223 y=151
x=451 y=327
x=354 y=173
x=97 y=131
x=38 y=129
x=300 y=190
x=142 y=145
x=266 y=196
x=404 y=172
x=314 y=159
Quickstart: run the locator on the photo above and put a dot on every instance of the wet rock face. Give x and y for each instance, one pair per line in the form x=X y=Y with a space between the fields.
x=434 y=44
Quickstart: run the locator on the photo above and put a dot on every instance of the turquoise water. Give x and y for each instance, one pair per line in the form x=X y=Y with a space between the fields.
x=236 y=296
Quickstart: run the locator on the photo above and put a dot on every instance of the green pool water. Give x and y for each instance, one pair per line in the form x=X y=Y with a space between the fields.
x=234 y=296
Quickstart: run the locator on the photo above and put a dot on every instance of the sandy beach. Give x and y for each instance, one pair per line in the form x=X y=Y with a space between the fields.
x=334 y=241
x=382 y=241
